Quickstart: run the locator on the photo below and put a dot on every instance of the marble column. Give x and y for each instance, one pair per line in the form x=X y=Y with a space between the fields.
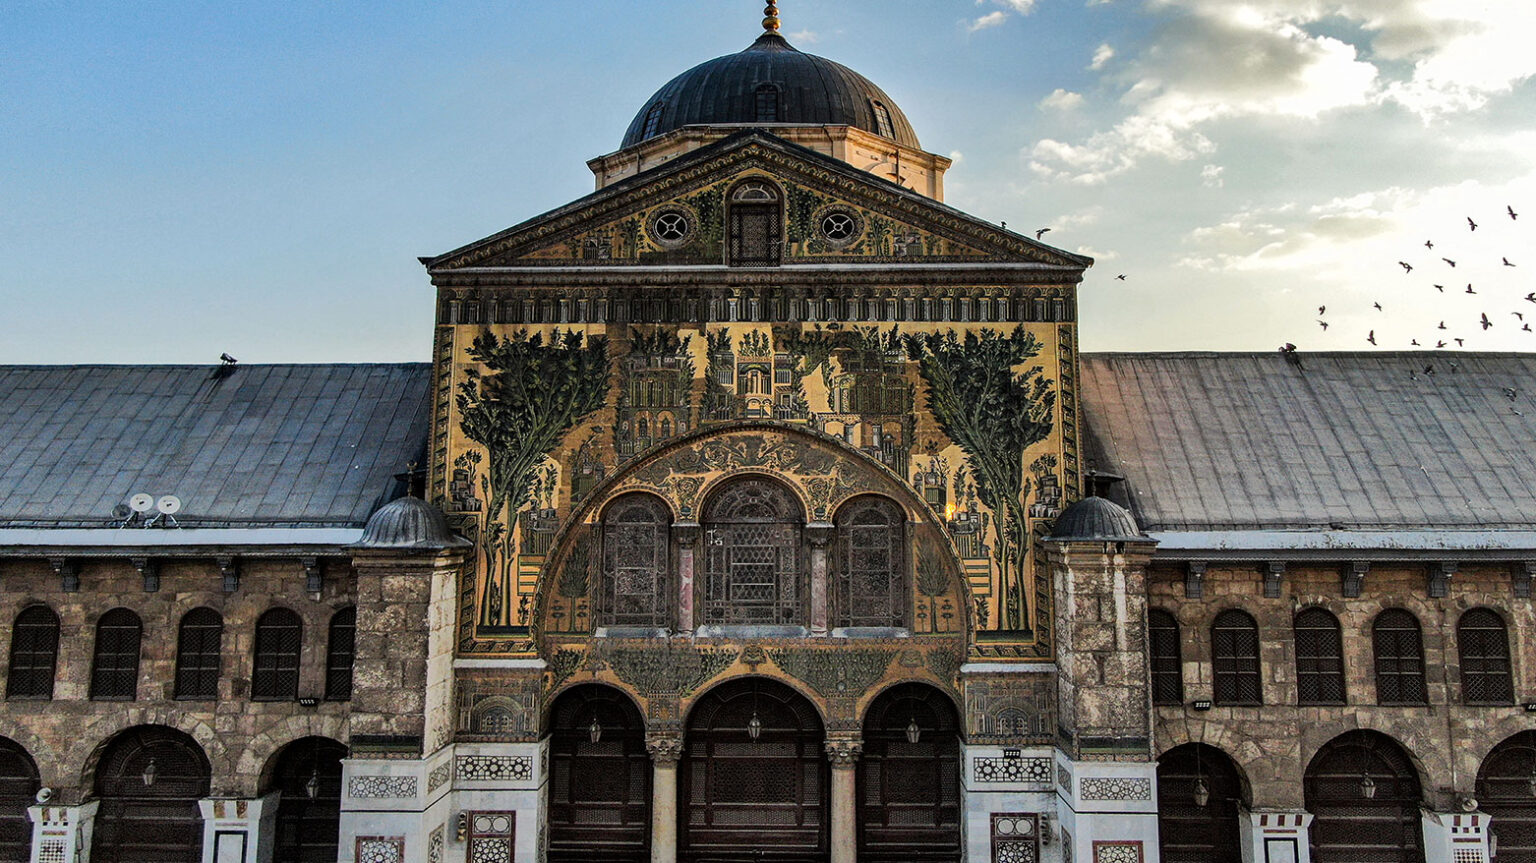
x=687 y=535
x=844 y=754
x=819 y=535
x=665 y=751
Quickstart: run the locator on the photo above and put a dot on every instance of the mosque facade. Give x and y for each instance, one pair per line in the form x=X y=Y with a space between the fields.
x=760 y=506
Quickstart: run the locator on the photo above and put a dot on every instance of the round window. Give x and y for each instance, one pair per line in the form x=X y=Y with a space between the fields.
x=838 y=226
x=671 y=227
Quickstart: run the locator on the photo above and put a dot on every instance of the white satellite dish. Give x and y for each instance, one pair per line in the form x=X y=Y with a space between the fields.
x=141 y=502
x=170 y=504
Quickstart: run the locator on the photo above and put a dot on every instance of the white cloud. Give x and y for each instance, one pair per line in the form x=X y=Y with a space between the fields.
x=1062 y=100
x=806 y=37
x=1210 y=175
x=991 y=19
x=1023 y=7
x=1101 y=57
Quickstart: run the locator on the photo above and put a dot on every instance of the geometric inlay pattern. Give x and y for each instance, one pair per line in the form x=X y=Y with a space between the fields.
x=480 y=768
x=381 y=849
x=988 y=769
x=1115 y=788
x=435 y=845
x=439 y=775
x=490 y=836
x=1117 y=852
x=1016 y=837
x=381 y=787
x=51 y=851
x=1064 y=777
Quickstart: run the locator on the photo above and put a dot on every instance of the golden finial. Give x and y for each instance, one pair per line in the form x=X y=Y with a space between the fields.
x=771 y=17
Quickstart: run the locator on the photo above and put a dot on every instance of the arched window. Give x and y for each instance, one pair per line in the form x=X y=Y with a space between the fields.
x=752 y=555
x=636 y=584
x=1167 y=663
x=1319 y=658
x=1483 y=643
x=1235 y=658
x=883 y=126
x=34 y=653
x=871 y=587
x=652 y=121
x=115 y=672
x=197 y=654
x=767 y=98
x=275 y=673
x=756 y=226
x=1399 y=658
x=340 y=649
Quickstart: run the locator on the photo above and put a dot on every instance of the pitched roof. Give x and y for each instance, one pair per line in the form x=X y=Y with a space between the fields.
x=1349 y=440
x=246 y=446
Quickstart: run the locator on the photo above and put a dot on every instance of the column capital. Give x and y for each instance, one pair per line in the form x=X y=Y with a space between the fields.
x=686 y=533
x=664 y=748
x=844 y=752
x=819 y=533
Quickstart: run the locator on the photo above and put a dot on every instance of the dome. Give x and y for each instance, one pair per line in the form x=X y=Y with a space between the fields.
x=771 y=79
x=1097 y=520
x=409 y=522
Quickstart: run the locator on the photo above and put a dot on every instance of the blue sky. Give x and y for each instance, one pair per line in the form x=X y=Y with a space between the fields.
x=181 y=179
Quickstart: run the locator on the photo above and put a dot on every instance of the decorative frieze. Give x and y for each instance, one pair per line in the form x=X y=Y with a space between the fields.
x=1117 y=852
x=1018 y=770
x=439 y=776
x=1115 y=788
x=492 y=768
x=381 y=787
x=835 y=672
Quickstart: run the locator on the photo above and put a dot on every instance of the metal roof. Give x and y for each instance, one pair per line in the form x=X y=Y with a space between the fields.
x=270 y=446
x=1316 y=441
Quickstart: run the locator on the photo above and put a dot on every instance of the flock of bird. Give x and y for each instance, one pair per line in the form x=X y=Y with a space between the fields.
x=1444 y=334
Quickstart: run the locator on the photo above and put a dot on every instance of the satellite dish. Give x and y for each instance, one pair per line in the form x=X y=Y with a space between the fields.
x=170 y=504
x=141 y=502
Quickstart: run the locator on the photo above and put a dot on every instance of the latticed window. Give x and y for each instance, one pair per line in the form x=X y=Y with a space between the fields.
x=1319 y=658
x=1167 y=663
x=871 y=587
x=115 y=672
x=340 y=649
x=767 y=103
x=34 y=653
x=197 y=654
x=1399 y=658
x=636 y=582
x=882 y=120
x=756 y=226
x=1483 y=641
x=1235 y=658
x=652 y=121
x=275 y=673
x=752 y=555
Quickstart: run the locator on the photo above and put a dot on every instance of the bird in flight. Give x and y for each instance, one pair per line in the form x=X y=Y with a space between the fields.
x=1440 y=288
x=1442 y=326
x=1507 y=263
x=1471 y=224
x=1121 y=277
x=1429 y=244
x=1512 y=214
x=1407 y=267
x=1372 y=337
x=1449 y=261
x=1531 y=297
x=1377 y=305
x=1415 y=343
x=1518 y=315
x=1460 y=342
x=1469 y=288
x=1322 y=310
x=1485 y=322
x=1042 y=232
x=1525 y=328
x=1440 y=345
x=1324 y=325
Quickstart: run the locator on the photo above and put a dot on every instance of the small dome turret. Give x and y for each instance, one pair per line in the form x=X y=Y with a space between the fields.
x=407 y=523
x=1095 y=519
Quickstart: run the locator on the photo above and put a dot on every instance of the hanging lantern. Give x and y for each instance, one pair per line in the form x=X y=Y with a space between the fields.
x=1202 y=792
x=913 y=732
x=1367 y=787
x=150 y=772
x=754 y=726
x=595 y=730
x=312 y=787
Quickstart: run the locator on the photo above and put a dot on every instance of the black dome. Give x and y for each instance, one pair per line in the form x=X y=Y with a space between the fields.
x=1094 y=518
x=409 y=522
x=811 y=90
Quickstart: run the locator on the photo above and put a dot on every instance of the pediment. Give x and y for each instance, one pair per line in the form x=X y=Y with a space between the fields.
x=674 y=215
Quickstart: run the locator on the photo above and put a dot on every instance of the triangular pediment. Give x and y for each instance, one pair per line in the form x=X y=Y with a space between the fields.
x=675 y=214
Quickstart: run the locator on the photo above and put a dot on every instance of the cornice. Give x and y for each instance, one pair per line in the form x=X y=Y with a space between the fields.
x=903 y=275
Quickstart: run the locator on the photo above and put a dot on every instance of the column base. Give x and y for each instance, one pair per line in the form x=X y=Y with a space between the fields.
x=1275 y=835
x=239 y=831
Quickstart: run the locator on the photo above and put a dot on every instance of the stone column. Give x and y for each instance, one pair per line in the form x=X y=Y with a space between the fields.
x=819 y=534
x=687 y=534
x=63 y=832
x=844 y=754
x=665 y=750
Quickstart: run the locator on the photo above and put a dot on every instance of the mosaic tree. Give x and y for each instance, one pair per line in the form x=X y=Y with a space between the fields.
x=532 y=393
x=994 y=412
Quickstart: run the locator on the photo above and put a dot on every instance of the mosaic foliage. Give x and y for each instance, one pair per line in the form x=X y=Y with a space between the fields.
x=677 y=671
x=835 y=673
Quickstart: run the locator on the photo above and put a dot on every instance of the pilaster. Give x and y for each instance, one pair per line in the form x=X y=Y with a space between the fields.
x=1275 y=835
x=1456 y=837
x=62 y=832
x=239 y=830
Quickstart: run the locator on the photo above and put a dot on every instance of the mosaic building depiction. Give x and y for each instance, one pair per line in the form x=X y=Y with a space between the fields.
x=760 y=506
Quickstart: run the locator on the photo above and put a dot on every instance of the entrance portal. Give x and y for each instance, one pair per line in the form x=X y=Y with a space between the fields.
x=909 y=778
x=600 y=785
x=753 y=777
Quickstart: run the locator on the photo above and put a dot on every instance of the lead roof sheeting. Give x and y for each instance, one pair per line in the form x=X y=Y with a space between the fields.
x=1249 y=441
x=264 y=444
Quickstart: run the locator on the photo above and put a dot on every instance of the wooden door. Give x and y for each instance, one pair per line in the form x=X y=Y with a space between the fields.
x=308 y=826
x=1191 y=830
x=909 y=790
x=600 y=789
x=18 y=787
x=156 y=821
x=1364 y=822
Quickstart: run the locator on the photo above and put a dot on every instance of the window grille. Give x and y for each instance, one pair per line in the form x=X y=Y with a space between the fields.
x=341 y=647
x=34 y=653
x=1319 y=658
x=636 y=563
x=882 y=120
x=1235 y=658
x=753 y=559
x=1483 y=642
x=871 y=568
x=115 y=672
x=198 y=654
x=1167 y=663
x=1399 y=658
x=275 y=673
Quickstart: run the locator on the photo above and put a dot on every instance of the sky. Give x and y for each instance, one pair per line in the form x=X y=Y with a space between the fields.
x=181 y=179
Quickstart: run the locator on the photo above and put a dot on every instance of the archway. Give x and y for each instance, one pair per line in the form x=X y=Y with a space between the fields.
x=1364 y=794
x=308 y=773
x=18 y=790
x=149 y=780
x=1506 y=788
x=1199 y=791
x=753 y=777
x=600 y=782
x=909 y=778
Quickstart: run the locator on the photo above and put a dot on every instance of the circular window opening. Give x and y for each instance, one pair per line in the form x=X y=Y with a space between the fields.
x=839 y=227
x=671 y=228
